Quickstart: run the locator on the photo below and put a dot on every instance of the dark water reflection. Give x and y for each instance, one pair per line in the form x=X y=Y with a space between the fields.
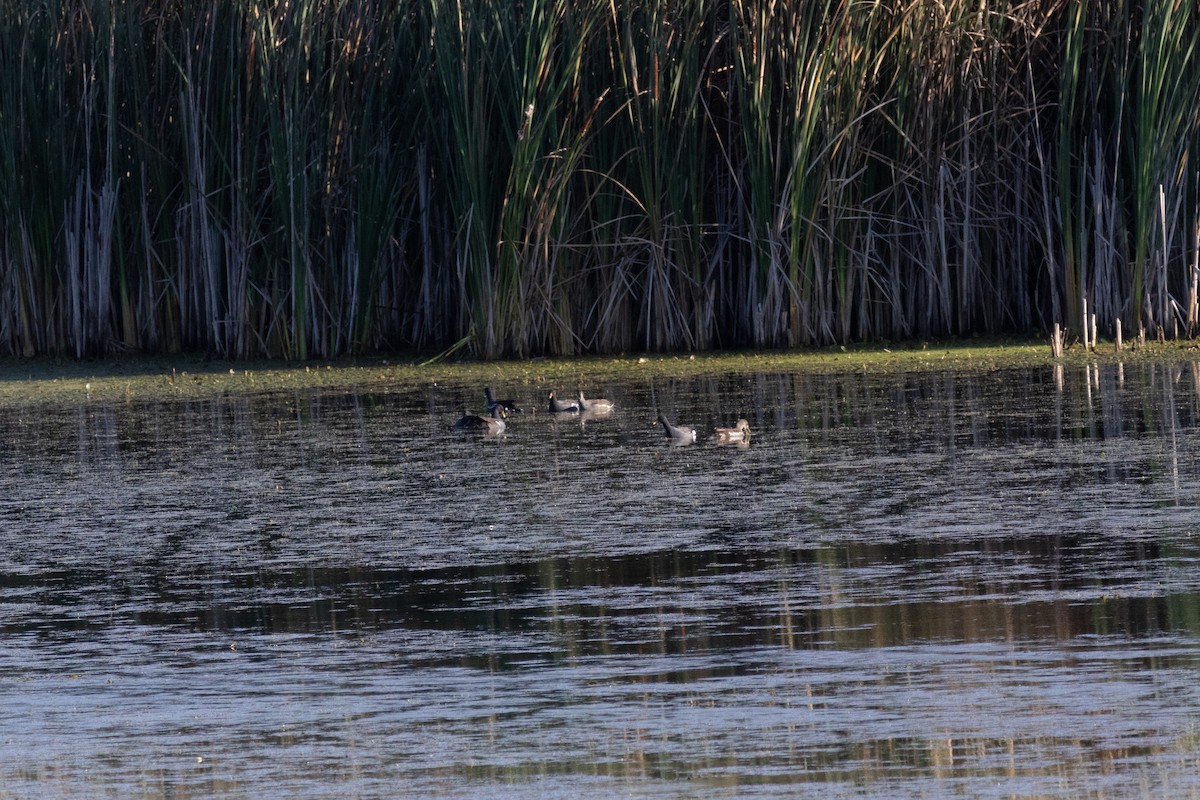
x=919 y=585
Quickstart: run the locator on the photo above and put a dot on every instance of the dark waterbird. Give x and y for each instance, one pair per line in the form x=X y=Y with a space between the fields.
x=559 y=407
x=492 y=403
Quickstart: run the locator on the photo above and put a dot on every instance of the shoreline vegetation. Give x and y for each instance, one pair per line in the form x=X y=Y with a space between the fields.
x=316 y=179
x=29 y=382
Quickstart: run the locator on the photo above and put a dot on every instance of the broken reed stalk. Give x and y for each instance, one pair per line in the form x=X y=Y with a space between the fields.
x=1058 y=341
x=1086 y=328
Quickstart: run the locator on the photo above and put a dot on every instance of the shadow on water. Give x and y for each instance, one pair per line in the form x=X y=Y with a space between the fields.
x=906 y=586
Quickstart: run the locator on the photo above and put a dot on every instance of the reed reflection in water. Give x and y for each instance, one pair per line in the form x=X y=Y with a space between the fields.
x=907 y=586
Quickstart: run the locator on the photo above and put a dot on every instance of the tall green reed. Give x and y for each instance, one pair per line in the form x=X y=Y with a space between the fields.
x=661 y=56
x=1165 y=95
x=313 y=178
x=783 y=72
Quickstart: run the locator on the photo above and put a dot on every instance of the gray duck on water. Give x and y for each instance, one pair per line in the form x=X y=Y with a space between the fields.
x=597 y=405
x=677 y=433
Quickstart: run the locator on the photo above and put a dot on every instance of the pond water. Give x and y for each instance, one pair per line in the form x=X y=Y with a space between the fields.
x=907 y=586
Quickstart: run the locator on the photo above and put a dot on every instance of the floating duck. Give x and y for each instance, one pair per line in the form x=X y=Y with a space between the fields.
x=738 y=433
x=678 y=433
x=598 y=405
x=473 y=423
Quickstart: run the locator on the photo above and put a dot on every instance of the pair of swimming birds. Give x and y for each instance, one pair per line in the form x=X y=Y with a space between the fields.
x=684 y=435
x=498 y=410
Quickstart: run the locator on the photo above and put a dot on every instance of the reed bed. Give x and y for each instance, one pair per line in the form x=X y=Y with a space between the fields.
x=301 y=178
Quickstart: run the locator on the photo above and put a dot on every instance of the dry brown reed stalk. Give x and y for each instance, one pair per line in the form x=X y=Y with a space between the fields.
x=1057 y=341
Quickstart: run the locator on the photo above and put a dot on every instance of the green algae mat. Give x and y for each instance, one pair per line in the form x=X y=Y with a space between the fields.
x=25 y=382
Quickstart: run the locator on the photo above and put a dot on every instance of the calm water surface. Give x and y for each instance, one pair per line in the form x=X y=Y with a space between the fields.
x=921 y=585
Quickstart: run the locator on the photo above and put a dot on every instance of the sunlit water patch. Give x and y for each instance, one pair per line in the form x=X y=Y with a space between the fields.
x=906 y=586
